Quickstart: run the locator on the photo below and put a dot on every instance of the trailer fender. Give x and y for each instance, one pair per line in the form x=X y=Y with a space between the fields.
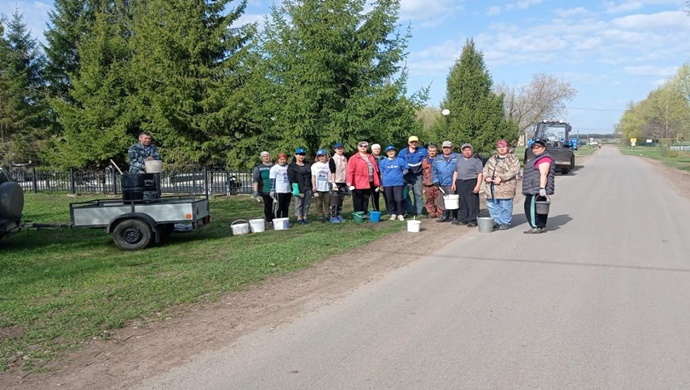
x=141 y=216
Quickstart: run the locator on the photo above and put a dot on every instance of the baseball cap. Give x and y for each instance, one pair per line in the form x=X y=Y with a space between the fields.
x=363 y=143
x=466 y=146
x=540 y=142
x=300 y=151
x=390 y=147
x=447 y=144
x=338 y=145
x=321 y=152
x=413 y=138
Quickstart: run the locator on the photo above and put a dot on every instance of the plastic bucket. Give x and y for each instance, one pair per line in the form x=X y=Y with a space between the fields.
x=239 y=227
x=153 y=166
x=281 y=223
x=359 y=216
x=485 y=224
x=257 y=225
x=413 y=226
x=543 y=206
x=451 y=202
x=375 y=216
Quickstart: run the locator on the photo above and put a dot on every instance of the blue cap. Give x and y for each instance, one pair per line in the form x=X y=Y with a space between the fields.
x=338 y=145
x=390 y=147
x=300 y=151
x=321 y=152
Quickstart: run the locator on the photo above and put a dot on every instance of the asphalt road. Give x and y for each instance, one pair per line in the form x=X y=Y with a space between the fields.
x=601 y=301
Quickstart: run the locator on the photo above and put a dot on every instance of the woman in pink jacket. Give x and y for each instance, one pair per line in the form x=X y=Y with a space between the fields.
x=362 y=176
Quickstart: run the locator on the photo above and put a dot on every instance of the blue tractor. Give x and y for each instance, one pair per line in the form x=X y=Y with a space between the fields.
x=555 y=133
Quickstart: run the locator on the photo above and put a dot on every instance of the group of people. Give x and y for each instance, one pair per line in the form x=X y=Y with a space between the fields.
x=408 y=180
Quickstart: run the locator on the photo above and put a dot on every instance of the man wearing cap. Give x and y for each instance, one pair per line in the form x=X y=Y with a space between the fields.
x=538 y=181
x=414 y=155
x=338 y=167
x=468 y=180
x=261 y=183
x=432 y=195
x=500 y=184
x=443 y=172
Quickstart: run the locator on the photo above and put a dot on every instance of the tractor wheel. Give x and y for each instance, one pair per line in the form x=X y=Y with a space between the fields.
x=132 y=235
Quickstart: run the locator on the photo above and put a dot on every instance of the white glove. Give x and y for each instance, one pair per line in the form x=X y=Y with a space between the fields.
x=352 y=188
x=316 y=194
x=542 y=192
x=335 y=187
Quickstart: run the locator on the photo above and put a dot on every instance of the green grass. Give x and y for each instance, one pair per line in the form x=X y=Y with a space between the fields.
x=678 y=160
x=59 y=288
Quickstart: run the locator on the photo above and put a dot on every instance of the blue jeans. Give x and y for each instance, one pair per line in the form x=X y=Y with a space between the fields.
x=501 y=210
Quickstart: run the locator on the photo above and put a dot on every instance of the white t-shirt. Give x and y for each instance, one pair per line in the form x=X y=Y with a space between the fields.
x=321 y=171
x=281 y=175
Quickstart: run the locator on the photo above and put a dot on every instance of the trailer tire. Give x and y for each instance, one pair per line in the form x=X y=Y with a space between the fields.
x=132 y=235
x=11 y=200
x=564 y=171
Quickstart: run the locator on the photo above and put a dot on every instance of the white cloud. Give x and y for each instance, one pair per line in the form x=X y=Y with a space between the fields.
x=428 y=13
x=661 y=72
x=573 y=12
x=493 y=10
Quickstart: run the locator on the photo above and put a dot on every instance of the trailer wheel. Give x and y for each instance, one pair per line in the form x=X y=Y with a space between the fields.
x=564 y=171
x=132 y=235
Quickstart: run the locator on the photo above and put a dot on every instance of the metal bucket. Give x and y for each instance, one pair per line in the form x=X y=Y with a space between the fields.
x=153 y=166
x=543 y=206
x=485 y=224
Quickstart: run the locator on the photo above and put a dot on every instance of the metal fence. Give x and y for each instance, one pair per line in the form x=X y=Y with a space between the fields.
x=107 y=181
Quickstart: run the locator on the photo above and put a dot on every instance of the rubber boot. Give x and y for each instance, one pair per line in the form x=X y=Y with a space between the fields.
x=455 y=218
x=445 y=217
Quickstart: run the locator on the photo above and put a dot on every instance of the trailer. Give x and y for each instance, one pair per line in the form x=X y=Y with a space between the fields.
x=137 y=224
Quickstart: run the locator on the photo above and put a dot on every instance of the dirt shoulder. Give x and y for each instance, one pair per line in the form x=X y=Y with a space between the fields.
x=140 y=351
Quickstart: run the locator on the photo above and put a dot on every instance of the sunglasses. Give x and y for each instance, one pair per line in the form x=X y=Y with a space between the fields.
x=363 y=145
x=446 y=147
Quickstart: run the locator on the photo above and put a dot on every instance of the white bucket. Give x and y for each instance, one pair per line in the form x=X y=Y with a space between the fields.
x=153 y=166
x=451 y=202
x=413 y=226
x=257 y=225
x=280 y=223
x=239 y=227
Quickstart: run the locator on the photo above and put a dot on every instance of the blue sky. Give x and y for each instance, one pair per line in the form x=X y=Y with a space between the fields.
x=611 y=52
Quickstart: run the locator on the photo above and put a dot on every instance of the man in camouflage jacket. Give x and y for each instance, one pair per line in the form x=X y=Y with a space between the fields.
x=140 y=152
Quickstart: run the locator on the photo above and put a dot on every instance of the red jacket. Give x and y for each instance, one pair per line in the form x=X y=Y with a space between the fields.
x=358 y=172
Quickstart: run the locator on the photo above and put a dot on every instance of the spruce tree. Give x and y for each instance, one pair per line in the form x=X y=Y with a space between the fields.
x=476 y=113
x=100 y=113
x=190 y=63
x=332 y=73
x=22 y=100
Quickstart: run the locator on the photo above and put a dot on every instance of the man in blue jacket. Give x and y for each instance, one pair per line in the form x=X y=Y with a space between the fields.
x=413 y=154
x=442 y=171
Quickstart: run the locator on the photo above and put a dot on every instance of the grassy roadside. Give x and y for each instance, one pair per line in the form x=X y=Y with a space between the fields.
x=59 y=288
x=675 y=159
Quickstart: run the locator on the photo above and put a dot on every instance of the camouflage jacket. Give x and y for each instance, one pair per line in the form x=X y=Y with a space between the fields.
x=138 y=154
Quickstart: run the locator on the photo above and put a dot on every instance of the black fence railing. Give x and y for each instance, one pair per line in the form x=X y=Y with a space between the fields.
x=107 y=181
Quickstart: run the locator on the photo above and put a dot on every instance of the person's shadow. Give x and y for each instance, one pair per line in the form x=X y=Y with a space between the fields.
x=553 y=223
